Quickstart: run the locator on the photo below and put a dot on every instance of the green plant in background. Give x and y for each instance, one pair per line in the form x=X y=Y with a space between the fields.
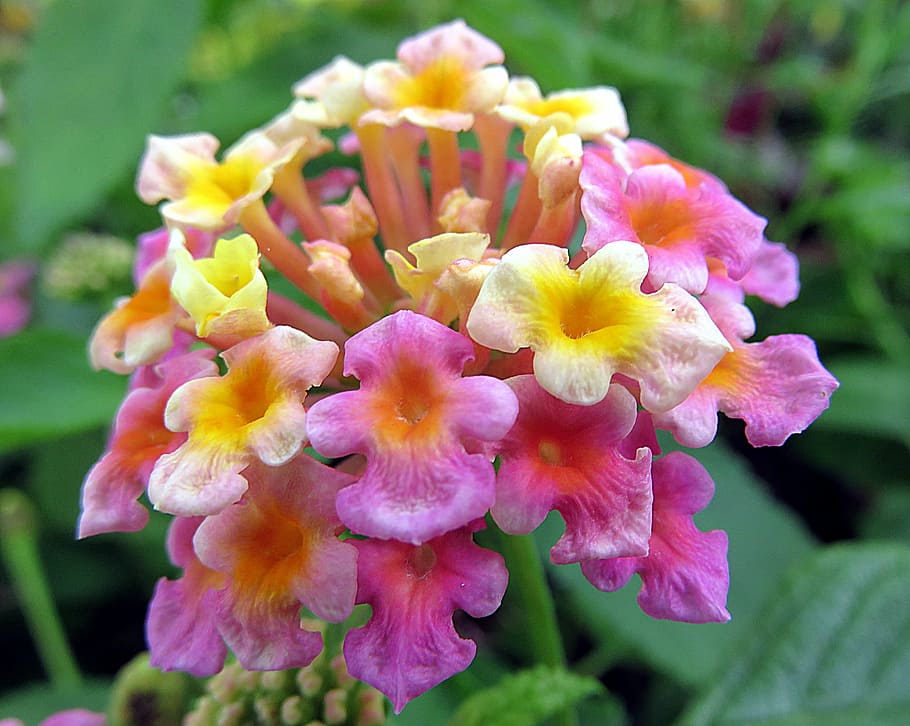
x=798 y=109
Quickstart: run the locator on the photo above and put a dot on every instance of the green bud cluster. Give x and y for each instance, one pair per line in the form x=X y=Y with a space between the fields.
x=87 y=267
x=320 y=694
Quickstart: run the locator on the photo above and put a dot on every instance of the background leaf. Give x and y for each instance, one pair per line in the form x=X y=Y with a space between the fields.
x=873 y=398
x=764 y=540
x=525 y=698
x=94 y=84
x=831 y=647
x=49 y=389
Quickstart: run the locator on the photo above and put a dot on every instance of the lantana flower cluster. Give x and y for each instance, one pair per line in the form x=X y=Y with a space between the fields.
x=491 y=313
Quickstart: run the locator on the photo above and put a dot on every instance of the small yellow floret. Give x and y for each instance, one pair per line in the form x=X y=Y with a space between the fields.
x=229 y=282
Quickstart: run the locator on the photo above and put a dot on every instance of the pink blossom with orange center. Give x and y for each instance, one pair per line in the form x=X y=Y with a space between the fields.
x=410 y=644
x=278 y=552
x=685 y=576
x=139 y=438
x=568 y=458
x=778 y=386
x=255 y=411
x=679 y=226
x=585 y=325
x=417 y=421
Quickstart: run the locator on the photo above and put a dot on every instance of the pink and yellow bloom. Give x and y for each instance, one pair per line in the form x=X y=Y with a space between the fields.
x=255 y=411
x=140 y=329
x=585 y=325
x=416 y=420
x=201 y=191
x=442 y=78
x=484 y=371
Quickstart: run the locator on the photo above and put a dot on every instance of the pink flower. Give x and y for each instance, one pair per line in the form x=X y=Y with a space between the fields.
x=414 y=418
x=565 y=457
x=15 y=303
x=636 y=153
x=778 y=386
x=278 y=551
x=409 y=645
x=685 y=575
x=181 y=627
x=680 y=227
x=773 y=276
x=152 y=247
x=75 y=717
x=120 y=477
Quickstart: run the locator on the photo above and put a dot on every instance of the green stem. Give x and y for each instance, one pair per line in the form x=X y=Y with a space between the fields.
x=19 y=548
x=527 y=575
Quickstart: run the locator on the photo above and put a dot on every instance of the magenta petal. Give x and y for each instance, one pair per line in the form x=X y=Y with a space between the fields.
x=419 y=424
x=75 y=717
x=181 y=628
x=139 y=438
x=410 y=644
x=268 y=643
x=414 y=498
x=603 y=204
x=788 y=390
x=774 y=275
x=567 y=457
x=685 y=576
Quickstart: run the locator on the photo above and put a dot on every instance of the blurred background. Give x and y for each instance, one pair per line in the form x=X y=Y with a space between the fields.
x=801 y=108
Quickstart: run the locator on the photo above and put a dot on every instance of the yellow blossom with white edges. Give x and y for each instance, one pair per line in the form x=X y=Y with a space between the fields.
x=594 y=111
x=201 y=191
x=442 y=78
x=585 y=325
x=434 y=255
x=332 y=96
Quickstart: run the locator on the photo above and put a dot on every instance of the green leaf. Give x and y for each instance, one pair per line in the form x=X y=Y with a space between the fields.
x=873 y=398
x=831 y=648
x=525 y=698
x=50 y=390
x=764 y=540
x=93 y=85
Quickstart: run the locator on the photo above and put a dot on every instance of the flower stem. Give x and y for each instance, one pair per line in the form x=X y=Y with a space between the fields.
x=542 y=628
x=19 y=548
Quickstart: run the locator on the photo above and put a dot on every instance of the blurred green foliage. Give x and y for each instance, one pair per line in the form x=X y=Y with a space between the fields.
x=800 y=107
